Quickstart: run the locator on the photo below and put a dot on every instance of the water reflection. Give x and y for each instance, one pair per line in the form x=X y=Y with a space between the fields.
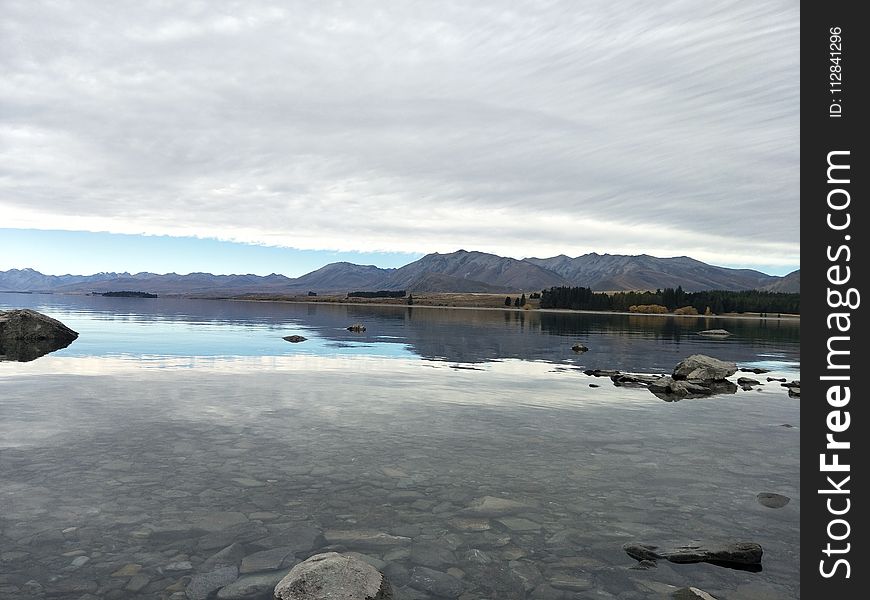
x=136 y=326
x=27 y=350
x=164 y=462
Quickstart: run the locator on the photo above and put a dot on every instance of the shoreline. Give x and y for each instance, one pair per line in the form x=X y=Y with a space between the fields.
x=778 y=317
x=419 y=304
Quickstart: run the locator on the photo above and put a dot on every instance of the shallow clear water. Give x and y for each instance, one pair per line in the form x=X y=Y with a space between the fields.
x=172 y=429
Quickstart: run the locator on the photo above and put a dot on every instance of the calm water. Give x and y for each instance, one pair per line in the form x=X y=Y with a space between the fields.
x=181 y=448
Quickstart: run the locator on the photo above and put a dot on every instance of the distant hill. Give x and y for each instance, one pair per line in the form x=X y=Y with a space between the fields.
x=460 y=271
x=789 y=283
x=489 y=269
x=607 y=272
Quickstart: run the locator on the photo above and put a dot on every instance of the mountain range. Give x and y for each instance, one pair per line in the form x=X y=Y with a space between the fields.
x=459 y=271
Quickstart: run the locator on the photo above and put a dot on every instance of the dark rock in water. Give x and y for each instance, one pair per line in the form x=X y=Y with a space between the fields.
x=739 y=555
x=794 y=392
x=26 y=335
x=594 y=385
x=645 y=565
x=746 y=381
x=670 y=389
x=294 y=339
x=772 y=500
x=792 y=384
x=435 y=582
x=715 y=333
x=356 y=327
x=332 y=575
x=756 y=370
x=776 y=379
x=601 y=372
x=642 y=552
x=579 y=348
x=691 y=593
x=629 y=379
x=705 y=368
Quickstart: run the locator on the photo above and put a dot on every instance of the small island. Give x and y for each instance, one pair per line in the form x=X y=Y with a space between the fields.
x=128 y=294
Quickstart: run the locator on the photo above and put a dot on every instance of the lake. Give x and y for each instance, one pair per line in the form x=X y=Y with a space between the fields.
x=182 y=449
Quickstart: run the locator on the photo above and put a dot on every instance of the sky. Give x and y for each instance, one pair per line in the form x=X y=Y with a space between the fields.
x=263 y=137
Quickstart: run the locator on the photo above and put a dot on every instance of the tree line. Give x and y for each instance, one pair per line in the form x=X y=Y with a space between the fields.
x=378 y=294
x=711 y=301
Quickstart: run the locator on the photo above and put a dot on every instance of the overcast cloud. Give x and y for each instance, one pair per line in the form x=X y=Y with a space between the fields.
x=520 y=128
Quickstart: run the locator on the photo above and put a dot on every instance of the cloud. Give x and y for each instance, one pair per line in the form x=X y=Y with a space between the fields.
x=526 y=129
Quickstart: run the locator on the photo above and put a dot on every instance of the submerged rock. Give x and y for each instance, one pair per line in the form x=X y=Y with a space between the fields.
x=294 y=339
x=331 y=575
x=26 y=335
x=579 y=348
x=691 y=593
x=772 y=500
x=364 y=538
x=492 y=506
x=356 y=327
x=435 y=582
x=756 y=370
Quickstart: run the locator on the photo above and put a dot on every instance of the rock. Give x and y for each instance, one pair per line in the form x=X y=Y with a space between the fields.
x=228 y=557
x=79 y=561
x=331 y=575
x=492 y=506
x=294 y=339
x=715 y=332
x=219 y=521
x=435 y=582
x=756 y=370
x=127 y=570
x=629 y=379
x=704 y=368
x=364 y=538
x=691 y=593
x=356 y=327
x=769 y=379
x=570 y=583
x=579 y=348
x=469 y=524
x=642 y=552
x=746 y=381
x=267 y=560
x=250 y=586
x=202 y=585
x=432 y=555
x=772 y=500
x=794 y=392
x=792 y=384
x=26 y=335
x=601 y=372
x=671 y=388
x=594 y=385
x=519 y=524
x=735 y=555
x=137 y=583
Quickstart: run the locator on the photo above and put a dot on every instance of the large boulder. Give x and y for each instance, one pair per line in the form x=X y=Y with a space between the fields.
x=26 y=334
x=332 y=575
x=704 y=368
